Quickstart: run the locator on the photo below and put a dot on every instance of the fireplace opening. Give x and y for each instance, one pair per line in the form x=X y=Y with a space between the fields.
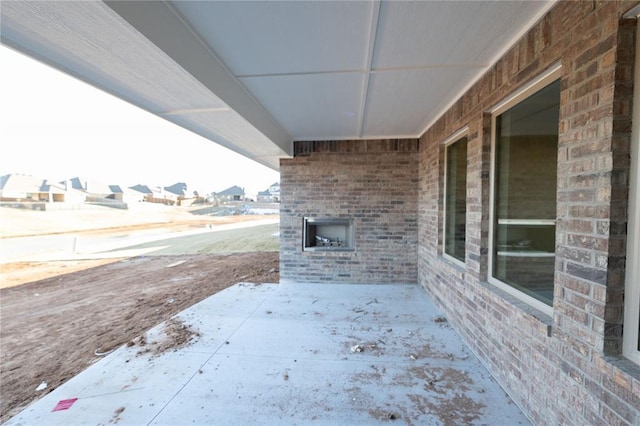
x=328 y=234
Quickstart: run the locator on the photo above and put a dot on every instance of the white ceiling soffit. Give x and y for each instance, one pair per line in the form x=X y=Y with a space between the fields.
x=254 y=76
x=359 y=69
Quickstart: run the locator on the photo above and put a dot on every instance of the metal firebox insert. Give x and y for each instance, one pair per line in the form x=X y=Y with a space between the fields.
x=328 y=234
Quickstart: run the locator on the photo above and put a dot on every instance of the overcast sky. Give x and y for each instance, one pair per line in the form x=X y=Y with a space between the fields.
x=56 y=127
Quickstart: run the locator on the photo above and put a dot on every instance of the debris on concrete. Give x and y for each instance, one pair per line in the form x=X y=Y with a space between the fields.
x=381 y=385
x=99 y=352
x=116 y=415
x=175 y=335
x=64 y=404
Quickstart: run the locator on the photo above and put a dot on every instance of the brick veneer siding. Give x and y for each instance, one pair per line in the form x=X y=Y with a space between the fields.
x=564 y=369
x=372 y=182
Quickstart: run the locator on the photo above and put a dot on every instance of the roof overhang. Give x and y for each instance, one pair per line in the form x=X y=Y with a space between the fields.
x=254 y=76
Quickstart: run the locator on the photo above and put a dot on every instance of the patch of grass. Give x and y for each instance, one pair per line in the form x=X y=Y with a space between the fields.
x=252 y=239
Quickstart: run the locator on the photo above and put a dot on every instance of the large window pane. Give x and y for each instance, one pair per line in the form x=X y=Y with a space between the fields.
x=456 y=199
x=526 y=152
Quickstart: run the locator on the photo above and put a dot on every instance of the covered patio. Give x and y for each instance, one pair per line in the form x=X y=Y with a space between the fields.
x=392 y=125
x=289 y=354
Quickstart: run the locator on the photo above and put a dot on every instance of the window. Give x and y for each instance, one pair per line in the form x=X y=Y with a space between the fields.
x=455 y=209
x=631 y=332
x=524 y=178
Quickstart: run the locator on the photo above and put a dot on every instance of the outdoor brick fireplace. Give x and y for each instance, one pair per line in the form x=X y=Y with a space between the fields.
x=328 y=234
x=349 y=212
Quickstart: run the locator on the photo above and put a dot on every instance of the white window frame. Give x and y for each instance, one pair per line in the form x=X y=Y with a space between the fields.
x=464 y=132
x=552 y=74
x=631 y=335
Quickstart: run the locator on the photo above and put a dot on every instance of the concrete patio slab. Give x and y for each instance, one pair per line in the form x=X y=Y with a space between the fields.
x=290 y=354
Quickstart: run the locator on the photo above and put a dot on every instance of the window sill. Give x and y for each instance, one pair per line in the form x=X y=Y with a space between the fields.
x=454 y=262
x=544 y=320
x=623 y=364
x=455 y=268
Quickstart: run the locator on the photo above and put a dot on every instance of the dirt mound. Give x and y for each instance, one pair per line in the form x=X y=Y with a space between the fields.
x=175 y=335
x=56 y=327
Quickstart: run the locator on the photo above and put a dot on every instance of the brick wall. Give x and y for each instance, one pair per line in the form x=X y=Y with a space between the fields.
x=564 y=369
x=372 y=182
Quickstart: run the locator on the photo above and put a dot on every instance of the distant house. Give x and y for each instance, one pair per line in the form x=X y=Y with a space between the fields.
x=94 y=190
x=264 y=196
x=118 y=193
x=235 y=193
x=164 y=196
x=126 y=195
x=156 y=194
x=270 y=195
x=178 y=189
x=144 y=190
x=26 y=188
x=183 y=194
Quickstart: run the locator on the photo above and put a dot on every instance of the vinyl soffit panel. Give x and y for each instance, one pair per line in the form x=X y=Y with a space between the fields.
x=401 y=101
x=279 y=40
x=312 y=106
x=302 y=69
x=442 y=34
x=276 y=38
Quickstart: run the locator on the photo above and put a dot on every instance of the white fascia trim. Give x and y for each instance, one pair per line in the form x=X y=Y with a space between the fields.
x=633 y=13
x=455 y=136
x=357 y=138
x=550 y=75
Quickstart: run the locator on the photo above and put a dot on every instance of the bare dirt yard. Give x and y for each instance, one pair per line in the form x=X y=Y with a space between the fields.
x=59 y=317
